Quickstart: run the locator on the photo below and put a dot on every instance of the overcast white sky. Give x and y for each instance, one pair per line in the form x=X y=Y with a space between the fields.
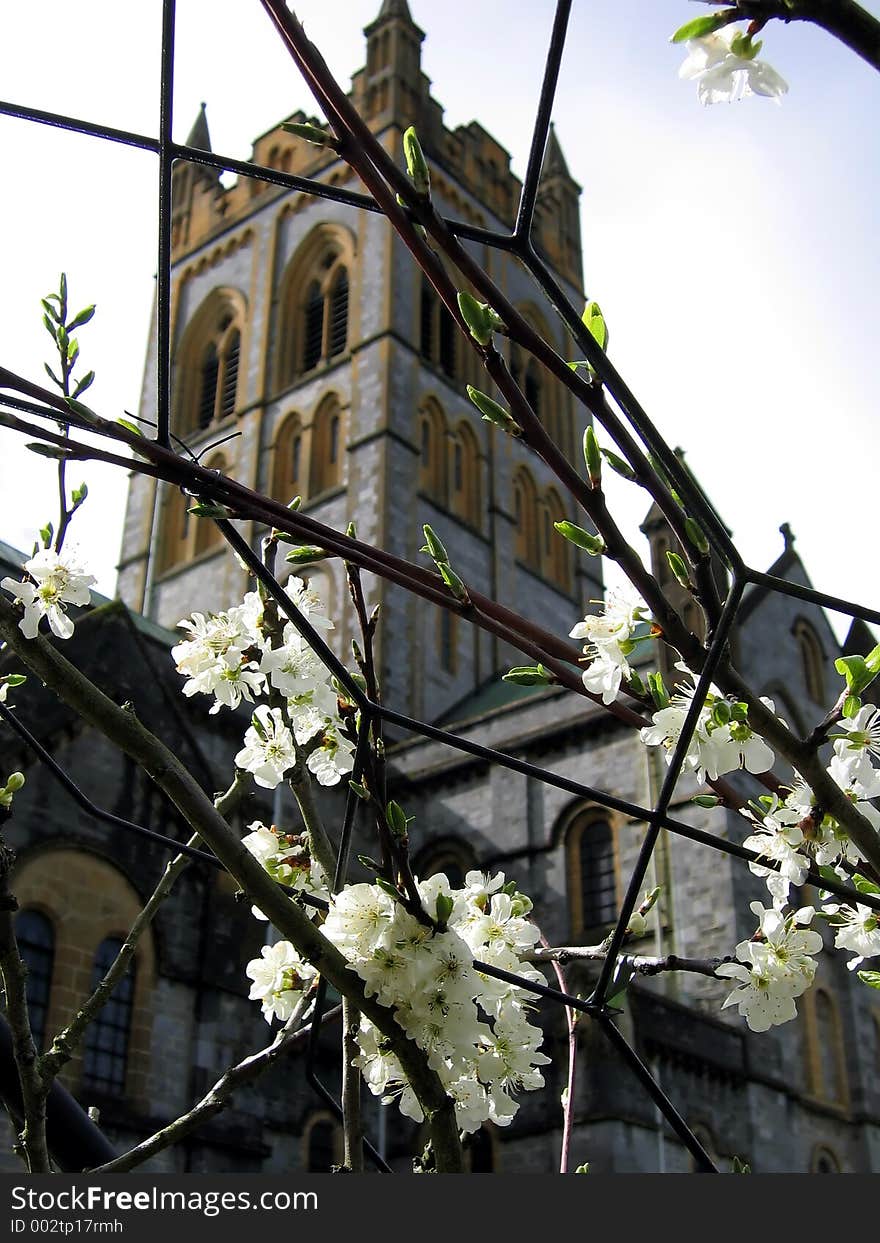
x=732 y=248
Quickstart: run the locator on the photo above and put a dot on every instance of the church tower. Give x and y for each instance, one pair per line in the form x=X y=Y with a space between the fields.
x=301 y=328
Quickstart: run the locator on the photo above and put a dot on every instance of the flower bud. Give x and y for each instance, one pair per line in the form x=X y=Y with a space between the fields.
x=310 y=133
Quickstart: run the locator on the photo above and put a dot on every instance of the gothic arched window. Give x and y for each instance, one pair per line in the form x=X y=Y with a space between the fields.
x=812 y=660
x=105 y=1057
x=438 y=332
x=432 y=451
x=314 y=302
x=327 y=447
x=465 y=475
x=288 y=468
x=826 y=1058
x=322 y=1144
x=36 y=944
x=525 y=514
x=555 y=554
x=592 y=872
x=208 y=364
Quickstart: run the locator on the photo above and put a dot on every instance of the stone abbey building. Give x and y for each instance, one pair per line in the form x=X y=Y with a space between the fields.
x=302 y=325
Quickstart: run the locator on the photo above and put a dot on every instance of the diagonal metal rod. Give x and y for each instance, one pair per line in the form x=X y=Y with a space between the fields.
x=529 y=195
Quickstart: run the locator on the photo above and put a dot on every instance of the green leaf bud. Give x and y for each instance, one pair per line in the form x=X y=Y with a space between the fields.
x=592 y=457
x=82 y=318
x=679 y=569
x=305 y=553
x=207 y=509
x=397 y=819
x=696 y=536
x=594 y=321
x=433 y=546
x=493 y=413
x=699 y=27
x=478 y=316
x=618 y=464
x=444 y=908
x=528 y=675
x=452 y=581
x=593 y=544
x=706 y=800
x=416 y=164
x=310 y=133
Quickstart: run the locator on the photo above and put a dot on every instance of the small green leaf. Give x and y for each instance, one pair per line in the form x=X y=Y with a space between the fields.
x=305 y=553
x=14 y=679
x=594 y=322
x=310 y=133
x=478 y=318
x=528 y=675
x=696 y=536
x=397 y=819
x=444 y=908
x=86 y=382
x=679 y=569
x=82 y=318
x=130 y=427
x=706 y=800
x=592 y=457
x=493 y=413
x=872 y=660
x=360 y=790
x=871 y=978
x=416 y=164
x=84 y=412
x=452 y=581
x=46 y=534
x=207 y=509
x=699 y=27
x=52 y=376
x=78 y=495
x=433 y=546
x=55 y=452
x=864 y=885
x=852 y=706
x=658 y=690
x=387 y=887
x=593 y=544
x=618 y=464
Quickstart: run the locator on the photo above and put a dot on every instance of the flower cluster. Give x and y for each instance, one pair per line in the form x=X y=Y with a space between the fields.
x=279 y=980
x=287 y=858
x=230 y=655
x=57 y=579
x=774 y=967
x=726 y=68
x=474 y=1028
x=722 y=742
x=610 y=640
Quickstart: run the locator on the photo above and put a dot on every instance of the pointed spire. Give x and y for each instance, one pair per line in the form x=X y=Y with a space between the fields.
x=554 y=161
x=396 y=8
x=198 y=135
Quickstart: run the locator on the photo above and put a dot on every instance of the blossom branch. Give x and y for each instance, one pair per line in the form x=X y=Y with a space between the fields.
x=219 y=1096
x=847 y=21
x=134 y=739
x=641 y=964
x=14 y=975
x=65 y=1044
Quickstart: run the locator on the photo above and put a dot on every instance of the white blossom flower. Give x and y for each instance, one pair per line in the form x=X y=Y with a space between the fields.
x=717 y=746
x=858 y=931
x=269 y=750
x=609 y=643
x=773 y=969
x=58 y=580
x=725 y=75
x=280 y=977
